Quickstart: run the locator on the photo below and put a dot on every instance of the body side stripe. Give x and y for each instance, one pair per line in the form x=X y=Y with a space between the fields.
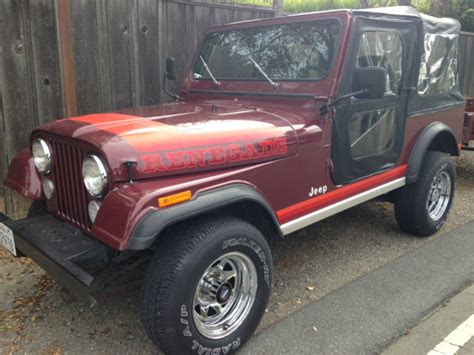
x=302 y=208
x=340 y=206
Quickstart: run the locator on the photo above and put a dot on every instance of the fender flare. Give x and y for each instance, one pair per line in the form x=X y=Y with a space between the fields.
x=423 y=143
x=155 y=221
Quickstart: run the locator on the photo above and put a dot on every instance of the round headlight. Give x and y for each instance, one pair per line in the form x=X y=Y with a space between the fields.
x=41 y=156
x=94 y=175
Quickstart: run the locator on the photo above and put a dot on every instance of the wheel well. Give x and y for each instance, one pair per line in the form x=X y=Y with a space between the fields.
x=253 y=213
x=445 y=142
x=237 y=200
x=437 y=136
x=247 y=210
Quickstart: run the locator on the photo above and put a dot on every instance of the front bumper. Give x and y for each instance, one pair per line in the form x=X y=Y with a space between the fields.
x=61 y=250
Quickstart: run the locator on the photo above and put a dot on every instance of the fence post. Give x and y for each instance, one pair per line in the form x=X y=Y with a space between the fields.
x=278 y=7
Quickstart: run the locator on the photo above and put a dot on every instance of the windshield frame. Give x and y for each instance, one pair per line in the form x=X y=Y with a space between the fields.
x=339 y=38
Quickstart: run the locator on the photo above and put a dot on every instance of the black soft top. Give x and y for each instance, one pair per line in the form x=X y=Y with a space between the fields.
x=438 y=84
x=431 y=24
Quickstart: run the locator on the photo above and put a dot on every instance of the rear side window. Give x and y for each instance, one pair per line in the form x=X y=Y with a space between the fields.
x=382 y=49
x=438 y=67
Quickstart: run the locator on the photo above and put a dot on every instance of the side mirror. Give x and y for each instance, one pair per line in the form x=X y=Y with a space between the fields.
x=170 y=68
x=371 y=80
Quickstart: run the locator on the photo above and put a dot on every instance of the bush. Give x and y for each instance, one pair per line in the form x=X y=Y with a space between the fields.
x=463 y=10
x=467 y=20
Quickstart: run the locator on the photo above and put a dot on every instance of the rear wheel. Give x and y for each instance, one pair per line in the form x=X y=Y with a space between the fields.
x=207 y=287
x=422 y=208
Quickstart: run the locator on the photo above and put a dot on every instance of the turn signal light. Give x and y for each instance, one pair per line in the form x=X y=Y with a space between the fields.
x=174 y=199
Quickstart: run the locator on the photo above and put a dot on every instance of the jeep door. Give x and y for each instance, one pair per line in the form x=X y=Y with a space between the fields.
x=367 y=132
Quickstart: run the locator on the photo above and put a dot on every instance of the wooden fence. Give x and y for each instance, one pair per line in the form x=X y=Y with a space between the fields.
x=60 y=58
x=466 y=63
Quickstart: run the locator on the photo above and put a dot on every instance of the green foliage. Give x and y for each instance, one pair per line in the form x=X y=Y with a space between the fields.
x=306 y=6
x=463 y=10
x=467 y=20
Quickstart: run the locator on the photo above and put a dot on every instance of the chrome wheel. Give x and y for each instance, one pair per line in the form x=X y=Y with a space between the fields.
x=439 y=195
x=224 y=295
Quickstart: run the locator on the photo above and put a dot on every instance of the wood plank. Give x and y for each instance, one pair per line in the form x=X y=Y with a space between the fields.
x=190 y=38
x=278 y=7
x=17 y=87
x=467 y=60
x=3 y=147
x=104 y=56
x=202 y=20
x=464 y=75
x=212 y=16
x=85 y=34
x=460 y=56
x=134 y=53
x=45 y=60
x=175 y=37
x=120 y=33
x=225 y=5
x=16 y=205
x=161 y=27
x=224 y=16
x=17 y=92
x=149 y=57
x=68 y=74
x=3 y=152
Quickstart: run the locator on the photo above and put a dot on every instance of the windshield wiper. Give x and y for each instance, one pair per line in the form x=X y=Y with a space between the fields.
x=218 y=83
x=265 y=75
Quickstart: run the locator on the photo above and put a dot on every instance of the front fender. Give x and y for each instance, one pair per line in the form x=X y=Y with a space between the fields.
x=129 y=217
x=155 y=221
x=23 y=177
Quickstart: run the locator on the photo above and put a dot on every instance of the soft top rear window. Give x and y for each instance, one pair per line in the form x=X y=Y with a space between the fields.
x=294 y=51
x=438 y=67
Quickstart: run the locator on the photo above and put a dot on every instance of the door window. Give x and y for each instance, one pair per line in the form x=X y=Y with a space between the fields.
x=368 y=130
x=382 y=49
x=372 y=132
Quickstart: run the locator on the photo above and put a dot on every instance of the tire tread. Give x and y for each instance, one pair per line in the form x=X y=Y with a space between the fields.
x=410 y=200
x=158 y=288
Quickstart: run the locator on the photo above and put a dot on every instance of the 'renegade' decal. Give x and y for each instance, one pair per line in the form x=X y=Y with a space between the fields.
x=212 y=155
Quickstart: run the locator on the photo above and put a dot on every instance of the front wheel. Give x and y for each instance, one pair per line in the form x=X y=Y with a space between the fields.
x=422 y=208
x=207 y=287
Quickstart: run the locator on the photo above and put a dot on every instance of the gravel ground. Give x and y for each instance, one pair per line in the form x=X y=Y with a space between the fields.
x=308 y=265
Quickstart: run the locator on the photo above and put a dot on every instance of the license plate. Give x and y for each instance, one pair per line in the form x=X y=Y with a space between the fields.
x=6 y=238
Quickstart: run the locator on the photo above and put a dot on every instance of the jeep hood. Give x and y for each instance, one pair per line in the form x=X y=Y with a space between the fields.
x=177 y=138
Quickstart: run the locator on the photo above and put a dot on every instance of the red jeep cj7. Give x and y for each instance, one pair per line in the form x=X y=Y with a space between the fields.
x=280 y=123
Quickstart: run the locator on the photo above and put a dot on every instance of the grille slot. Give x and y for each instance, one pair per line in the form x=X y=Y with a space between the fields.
x=70 y=191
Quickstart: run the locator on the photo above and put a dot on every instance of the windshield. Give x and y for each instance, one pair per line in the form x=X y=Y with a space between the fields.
x=295 y=51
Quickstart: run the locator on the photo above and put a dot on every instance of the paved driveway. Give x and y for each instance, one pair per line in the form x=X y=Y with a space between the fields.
x=308 y=265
